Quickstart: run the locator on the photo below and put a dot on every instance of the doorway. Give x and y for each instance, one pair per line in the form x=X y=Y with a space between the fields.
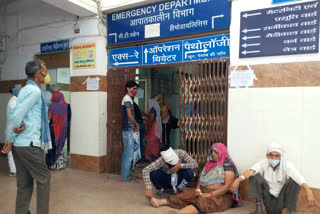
x=197 y=94
x=164 y=81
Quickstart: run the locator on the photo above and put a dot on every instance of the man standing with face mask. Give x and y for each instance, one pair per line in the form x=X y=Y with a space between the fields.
x=29 y=145
x=275 y=183
x=129 y=126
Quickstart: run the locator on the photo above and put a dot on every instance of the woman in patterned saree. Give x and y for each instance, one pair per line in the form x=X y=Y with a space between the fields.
x=212 y=192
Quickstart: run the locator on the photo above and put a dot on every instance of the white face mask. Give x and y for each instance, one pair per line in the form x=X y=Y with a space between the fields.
x=274 y=162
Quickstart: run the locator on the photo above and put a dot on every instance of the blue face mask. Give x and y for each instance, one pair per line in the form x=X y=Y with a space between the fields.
x=274 y=162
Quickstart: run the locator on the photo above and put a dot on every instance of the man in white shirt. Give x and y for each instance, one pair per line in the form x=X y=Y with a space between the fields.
x=276 y=182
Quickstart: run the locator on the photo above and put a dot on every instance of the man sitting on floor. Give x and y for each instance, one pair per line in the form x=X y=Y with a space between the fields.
x=159 y=172
x=275 y=182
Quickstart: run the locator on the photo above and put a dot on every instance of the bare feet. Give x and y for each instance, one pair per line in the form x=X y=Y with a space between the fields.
x=155 y=202
x=174 y=212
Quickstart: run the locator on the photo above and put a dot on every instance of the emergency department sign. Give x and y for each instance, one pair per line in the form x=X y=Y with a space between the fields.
x=168 y=18
x=84 y=56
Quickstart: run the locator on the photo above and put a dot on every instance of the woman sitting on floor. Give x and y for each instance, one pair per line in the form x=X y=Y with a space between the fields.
x=212 y=192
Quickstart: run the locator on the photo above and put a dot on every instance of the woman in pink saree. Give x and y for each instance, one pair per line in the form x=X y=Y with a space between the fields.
x=153 y=131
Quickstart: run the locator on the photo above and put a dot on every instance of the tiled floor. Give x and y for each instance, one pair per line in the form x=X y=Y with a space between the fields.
x=79 y=192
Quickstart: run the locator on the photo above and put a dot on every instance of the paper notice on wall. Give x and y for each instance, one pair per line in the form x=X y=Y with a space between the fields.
x=63 y=75
x=152 y=30
x=242 y=78
x=93 y=84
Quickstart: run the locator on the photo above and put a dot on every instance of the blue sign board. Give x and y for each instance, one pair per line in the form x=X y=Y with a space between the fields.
x=54 y=46
x=168 y=18
x=285 y=30
x=171 y=52
x=281 y=1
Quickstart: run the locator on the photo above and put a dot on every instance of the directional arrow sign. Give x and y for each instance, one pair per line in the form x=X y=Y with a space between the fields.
x=250 y=37
x=283 y=30
x=246 y=15
x=245 y=52
x=146 y=56
x=245 y=45
x=251 y=30
x=125 y=63
x=198 y=51
x=216 y=46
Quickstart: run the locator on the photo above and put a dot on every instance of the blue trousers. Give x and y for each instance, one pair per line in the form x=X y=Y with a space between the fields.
x=127 y=155
x=162 y=180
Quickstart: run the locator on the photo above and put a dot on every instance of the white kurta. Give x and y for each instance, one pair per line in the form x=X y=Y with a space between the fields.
x=276 y=179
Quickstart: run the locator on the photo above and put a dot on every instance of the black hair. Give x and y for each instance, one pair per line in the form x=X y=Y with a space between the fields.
x=10 y=91
x=164 y=147
x=131 y=83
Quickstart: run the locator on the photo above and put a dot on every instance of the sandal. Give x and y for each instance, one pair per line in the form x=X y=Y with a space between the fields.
x=139 y=165
x=12 y=174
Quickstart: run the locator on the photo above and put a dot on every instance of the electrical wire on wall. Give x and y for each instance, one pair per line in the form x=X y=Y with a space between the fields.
x=102 y=20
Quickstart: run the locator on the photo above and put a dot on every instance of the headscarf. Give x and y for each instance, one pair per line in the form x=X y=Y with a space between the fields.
x=158 y=129
x=224 y=158
x=15 y=91
x=164 y=105
x=276 y=147
x=170 y=157
x=216 y=168
x=59 y=110
x=46 y=143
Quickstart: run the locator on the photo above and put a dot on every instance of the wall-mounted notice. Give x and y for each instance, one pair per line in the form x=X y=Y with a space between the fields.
x=168 y=18
x=171 y=52
x=242 y=78
x=290 y=29
x=93 y=84
x=84 y=56
x=63 y=75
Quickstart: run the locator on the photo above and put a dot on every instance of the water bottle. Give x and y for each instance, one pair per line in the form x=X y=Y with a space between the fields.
x=174 y=181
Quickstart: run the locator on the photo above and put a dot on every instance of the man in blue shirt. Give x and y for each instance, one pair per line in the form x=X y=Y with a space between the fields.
x=27 y=145
x=129 y=126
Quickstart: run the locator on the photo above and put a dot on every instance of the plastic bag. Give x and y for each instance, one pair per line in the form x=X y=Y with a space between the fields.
x=136 y=153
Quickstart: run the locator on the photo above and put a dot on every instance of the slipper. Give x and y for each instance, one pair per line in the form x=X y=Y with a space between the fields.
x=12 y=174
x=139 y=165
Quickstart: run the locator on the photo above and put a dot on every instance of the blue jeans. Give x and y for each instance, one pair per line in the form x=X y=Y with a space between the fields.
x=127 y=155
x=162 y=180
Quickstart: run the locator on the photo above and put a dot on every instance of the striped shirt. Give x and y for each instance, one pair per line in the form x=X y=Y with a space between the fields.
x=184 y=159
